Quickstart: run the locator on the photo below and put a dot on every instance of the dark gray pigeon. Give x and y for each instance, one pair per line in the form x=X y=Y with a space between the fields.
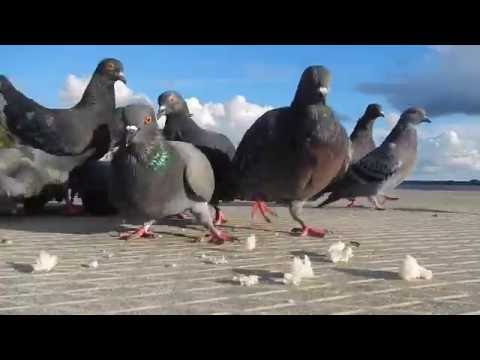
x=291 y=153
x=218 y=148
x=68 y=132
x=386 y=167
x=154 y=178
x=362 y=135
x=361 y=143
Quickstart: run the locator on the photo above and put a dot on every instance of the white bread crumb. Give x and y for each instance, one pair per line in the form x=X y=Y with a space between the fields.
x=410 y=270
x=45 y=262
x=340 y=252
x=245 y=280
x=251 y=242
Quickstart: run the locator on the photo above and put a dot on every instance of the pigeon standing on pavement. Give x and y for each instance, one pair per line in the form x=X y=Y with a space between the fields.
x=218 y=148
x=154 y=178
x=292 y=153
x=67 y=132
x=361 y=142
x=384 y=168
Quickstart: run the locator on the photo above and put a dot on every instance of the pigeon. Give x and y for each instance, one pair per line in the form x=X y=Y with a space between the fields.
x=68 y=132
x=28 y=174
x=361 y=143
x=291 y=153
x=387 y=166
x=154 y=178
x=218 y=148
x=362 y=136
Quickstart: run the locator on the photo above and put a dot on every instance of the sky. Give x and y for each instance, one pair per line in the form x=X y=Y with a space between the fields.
x=228 y=87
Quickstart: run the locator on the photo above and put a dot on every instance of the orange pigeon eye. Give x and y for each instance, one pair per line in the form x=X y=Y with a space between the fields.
x=147 y=120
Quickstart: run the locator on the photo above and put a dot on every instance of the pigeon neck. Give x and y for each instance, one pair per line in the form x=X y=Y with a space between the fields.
x=180 y=120
x=364 y=125
x=401 y=131
x=98 y=92
x=306 y=98
x=157 y=154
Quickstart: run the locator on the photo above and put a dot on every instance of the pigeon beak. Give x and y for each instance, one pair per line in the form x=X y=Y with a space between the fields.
x=427 y=120
x=131 y=132
x=162 y=111
x=122 y=78
x=323 y=90
x=382 y=114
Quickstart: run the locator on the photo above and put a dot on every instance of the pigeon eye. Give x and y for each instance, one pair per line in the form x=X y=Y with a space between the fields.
x=147 y=120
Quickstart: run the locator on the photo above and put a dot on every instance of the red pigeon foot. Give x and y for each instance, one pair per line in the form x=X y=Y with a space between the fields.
x=308 y=231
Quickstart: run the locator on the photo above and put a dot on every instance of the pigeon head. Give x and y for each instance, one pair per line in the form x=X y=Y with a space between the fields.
x=140 y=125
x=314 y=85
x=374 y=111
x=414 y=116
x=111 y=69
x=171 y=102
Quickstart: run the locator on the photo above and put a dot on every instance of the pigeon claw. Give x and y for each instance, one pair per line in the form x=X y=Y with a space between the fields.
x=308 y=231
x=351 y=204
x=218 y=237
x=143 y=232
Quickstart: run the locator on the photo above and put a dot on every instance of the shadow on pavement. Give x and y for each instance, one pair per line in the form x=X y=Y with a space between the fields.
x=371 y=274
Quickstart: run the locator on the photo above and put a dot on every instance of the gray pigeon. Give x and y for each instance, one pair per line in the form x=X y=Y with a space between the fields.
x=361 y=143
x=68 y=132
x=154 y=178
x=384 y=168
x=218 y=148
x=291 y=153
x=362 y=135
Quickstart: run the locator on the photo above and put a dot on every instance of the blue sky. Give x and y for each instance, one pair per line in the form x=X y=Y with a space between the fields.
x=264 y=75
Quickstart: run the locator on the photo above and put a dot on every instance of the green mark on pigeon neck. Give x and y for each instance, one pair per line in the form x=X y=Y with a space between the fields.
x=159 y=160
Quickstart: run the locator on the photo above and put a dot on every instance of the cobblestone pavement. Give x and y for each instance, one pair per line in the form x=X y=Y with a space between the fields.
x=440 y=229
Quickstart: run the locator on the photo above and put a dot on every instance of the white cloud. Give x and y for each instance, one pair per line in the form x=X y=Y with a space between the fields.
x=74 y=87
x=449 y=156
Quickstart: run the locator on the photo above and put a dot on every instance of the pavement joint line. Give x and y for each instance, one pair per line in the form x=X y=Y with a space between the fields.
x=397 y=305
x=271 y=307
x=349 y=312
x=448 y=297
x=329 y=298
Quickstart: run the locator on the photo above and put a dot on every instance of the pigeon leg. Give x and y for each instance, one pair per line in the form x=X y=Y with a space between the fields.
x=202 y=213
x=352 y=203
x=144 y=231
x=375 y=202
x=70 y=209
x=295 y=210
x=219 y=216
x=262 y=207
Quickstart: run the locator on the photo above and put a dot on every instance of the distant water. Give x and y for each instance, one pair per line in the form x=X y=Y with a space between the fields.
x=441 y=185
